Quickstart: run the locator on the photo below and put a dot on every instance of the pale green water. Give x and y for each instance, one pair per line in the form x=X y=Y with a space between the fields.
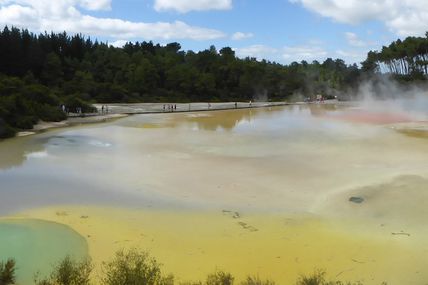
x=37 y=245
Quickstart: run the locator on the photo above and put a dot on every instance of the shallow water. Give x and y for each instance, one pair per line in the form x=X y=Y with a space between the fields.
x=37 y=245
x=301 y=162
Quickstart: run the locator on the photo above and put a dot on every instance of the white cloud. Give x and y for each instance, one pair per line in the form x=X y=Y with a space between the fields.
x=308 y=53
x=66 y=15
x=119 y=43
x=285 y=54
x=184 y=6
x=257 y=51
x=351 y=56
x=96 y=4
x=353 y=40
x=404 y=17
x=241 y=36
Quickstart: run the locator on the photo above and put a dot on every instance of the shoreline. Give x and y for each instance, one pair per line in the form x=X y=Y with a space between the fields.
x=122 y=110
x=43 y=126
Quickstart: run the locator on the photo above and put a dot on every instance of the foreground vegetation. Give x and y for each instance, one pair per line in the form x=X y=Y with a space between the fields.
x=40 y=73
x=134 y=267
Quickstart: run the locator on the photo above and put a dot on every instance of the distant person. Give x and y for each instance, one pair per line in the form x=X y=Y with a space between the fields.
x=102 y=109
x=164 y=107
x=175 y=107
x=251 y=104
x=236 y=105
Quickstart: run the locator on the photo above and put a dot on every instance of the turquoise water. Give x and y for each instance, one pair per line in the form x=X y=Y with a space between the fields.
x=37 y=246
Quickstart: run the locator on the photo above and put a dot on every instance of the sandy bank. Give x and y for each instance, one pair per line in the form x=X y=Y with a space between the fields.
x=71 y=121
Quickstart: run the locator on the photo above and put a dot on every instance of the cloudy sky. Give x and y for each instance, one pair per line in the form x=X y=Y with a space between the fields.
x=279 y=30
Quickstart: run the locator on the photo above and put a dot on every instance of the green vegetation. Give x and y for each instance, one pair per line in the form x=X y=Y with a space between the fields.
x=7 y=272
x=220 y=278
x=255 y=280
x=39 y=73
x=134 y=267
x=68 y=272
x=406 y=59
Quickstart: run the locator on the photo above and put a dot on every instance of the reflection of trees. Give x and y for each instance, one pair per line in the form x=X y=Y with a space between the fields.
x=228 y=119
x=13 y=151
x=321 y=110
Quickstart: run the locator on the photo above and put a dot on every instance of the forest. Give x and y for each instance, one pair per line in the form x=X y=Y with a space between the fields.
x=405 y=59
x=41 y=72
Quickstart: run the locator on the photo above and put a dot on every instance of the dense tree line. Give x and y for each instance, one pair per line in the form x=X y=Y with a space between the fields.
x=38 y=73
x=406 y=58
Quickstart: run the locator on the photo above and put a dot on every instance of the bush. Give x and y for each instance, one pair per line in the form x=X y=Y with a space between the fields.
x=134 y=268
x=73 y=102
x=253 y=280
x=39 y=94
x=69 y=272
x=220 y=278
x=50 y=113
x=317 y=278
x=25 y=122
x=6 y=131
x=7 y=272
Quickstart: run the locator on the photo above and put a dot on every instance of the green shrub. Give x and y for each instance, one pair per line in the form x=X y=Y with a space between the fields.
x=6 y=131
x=50 y=113
x=73 y=102
x=39 y=94
x=134 y=268
x=69 y=272
x=25 y=122
x=253 y=280
x=220 y=278
x=7 y=272
x=318 y=278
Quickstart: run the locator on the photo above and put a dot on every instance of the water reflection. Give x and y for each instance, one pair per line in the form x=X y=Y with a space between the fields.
x=228 y=120
x=14 y=152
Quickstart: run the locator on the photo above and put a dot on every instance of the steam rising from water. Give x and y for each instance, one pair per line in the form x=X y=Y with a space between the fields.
x=387 y=95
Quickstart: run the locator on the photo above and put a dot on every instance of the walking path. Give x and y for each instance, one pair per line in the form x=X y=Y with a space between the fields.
x=150 y=108
x=115 y=111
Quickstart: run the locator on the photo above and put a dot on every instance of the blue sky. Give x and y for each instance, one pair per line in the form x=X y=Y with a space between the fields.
x=278 y=30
